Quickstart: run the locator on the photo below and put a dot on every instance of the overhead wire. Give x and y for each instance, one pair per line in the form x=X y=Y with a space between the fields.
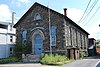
x=84 y=11
x=91 y=8
x=92 y=15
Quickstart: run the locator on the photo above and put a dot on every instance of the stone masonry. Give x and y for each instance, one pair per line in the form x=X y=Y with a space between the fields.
x=68 y=34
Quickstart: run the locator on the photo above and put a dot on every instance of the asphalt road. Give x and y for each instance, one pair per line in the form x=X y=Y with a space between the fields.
x=87 y=62
x=84 y=63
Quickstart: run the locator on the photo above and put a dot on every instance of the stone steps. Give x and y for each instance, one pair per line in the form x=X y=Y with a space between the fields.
x=31 y=58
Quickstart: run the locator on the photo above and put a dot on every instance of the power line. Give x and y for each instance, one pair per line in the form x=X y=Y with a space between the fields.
x=85 y=11
x=89 y=11
x=93 y=15
x=91 y=8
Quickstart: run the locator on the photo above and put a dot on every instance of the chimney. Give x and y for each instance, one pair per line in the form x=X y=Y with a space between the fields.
x=65 y=11
x=13 y=18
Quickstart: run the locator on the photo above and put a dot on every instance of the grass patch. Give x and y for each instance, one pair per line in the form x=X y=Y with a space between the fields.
x=51 y=59
x=9 y=60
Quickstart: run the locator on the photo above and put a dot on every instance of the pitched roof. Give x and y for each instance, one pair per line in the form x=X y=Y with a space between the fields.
x=92 y=39
x=4 y=23
x=37 y=4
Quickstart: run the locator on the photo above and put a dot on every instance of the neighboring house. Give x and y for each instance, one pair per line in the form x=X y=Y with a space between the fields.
x=91 y=47
x=7 y=38
x=98 y=47
x=66 y=36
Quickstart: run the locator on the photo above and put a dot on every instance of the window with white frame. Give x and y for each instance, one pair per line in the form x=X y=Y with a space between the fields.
x=81 y=40
x=11 y=38
x=53 y=35
x=76 y=38
x=70 y=36
x=37 y=16
x=24 y=36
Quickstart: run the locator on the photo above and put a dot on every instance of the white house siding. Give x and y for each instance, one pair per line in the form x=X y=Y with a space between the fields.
x=5 y=41
x=5 y=50
x=5 y=46
x=2 y=51
x=3 y=38
x=3 y=30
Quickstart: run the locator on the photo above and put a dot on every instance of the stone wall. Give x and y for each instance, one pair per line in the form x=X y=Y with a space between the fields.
x=63 y=38
x=75 y=37
x=29 y=23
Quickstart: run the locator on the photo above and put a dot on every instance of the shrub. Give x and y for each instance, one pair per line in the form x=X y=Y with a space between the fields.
x=9 y=60
x=82 y=54
x=52 y=59
x=20 y=49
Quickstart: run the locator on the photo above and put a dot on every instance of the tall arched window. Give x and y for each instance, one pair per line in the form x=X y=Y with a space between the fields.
x=24 y=36
x=53 y=35
x=37 y=16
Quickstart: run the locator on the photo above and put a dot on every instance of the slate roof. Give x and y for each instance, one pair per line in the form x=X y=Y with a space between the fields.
x=37 y=4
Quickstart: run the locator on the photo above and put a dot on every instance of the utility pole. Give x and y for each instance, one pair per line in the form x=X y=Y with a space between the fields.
x=49 y=29
x=50 y=32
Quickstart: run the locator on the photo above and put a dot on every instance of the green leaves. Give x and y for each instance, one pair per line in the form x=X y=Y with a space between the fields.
x=52 y=59
x=9 y=60
x=20 y=49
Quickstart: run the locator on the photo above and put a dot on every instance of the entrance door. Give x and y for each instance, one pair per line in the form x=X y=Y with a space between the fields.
x=38 y=44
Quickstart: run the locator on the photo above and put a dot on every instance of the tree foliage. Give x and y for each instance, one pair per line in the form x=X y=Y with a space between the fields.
x=97 y=42
x=20 y=49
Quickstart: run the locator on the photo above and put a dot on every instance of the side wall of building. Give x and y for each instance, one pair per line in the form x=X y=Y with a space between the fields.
x=76 y=39
x=7 y=40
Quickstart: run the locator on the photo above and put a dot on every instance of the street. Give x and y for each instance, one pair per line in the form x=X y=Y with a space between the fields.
x=87 y=62
x=84 y=63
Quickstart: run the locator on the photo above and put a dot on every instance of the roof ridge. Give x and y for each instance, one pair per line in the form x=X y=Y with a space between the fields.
x=36 y=3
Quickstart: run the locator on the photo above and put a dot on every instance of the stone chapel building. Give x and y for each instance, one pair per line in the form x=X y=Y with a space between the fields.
x=66 y=36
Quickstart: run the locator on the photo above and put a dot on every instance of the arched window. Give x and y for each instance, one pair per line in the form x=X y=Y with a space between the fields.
x=37 y=16
x=24 y=36
x=53 y=35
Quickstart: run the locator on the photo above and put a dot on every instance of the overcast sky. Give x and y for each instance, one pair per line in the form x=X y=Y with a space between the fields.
x=76 y=9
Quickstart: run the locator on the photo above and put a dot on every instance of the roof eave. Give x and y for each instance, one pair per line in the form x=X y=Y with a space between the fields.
x=75 y=24
x=51 y=11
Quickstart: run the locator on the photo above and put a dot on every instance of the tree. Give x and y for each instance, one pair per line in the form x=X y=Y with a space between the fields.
x=20 y=49
x=97 y=42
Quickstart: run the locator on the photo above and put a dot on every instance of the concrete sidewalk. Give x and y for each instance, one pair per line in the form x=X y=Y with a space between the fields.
x=25 y=65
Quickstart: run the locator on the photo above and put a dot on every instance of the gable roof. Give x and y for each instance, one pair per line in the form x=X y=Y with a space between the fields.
x=37 y=4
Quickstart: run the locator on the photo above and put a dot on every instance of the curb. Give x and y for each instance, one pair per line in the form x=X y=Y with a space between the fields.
x=96 y=64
